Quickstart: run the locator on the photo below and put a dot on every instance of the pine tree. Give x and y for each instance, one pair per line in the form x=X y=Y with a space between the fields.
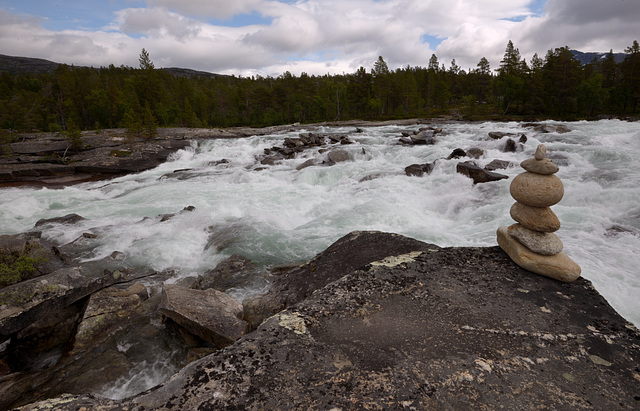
x=149 y=123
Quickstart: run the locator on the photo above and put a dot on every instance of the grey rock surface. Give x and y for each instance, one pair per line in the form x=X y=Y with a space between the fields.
x=428 y=328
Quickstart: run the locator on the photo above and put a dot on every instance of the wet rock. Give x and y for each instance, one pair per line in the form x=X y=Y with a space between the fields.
x=552 y=128
x=106 y=310
x=418 y=170
x=497 y=135
x=67 y=219
x=510 y=146
x=235 y=271
x=457 y=153
x=475 y=152
x=309 y=163
x=338 y=156
x=425 y=137
x=478 y=174
x=498 y=165
x=210 y=314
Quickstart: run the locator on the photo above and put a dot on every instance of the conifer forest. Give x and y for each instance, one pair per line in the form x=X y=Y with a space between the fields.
x=556 y=86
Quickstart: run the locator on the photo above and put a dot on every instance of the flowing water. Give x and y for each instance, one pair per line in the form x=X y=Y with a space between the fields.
x=278 y=215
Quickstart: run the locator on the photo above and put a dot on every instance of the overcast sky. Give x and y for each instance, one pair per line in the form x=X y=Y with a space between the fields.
x=269 y=37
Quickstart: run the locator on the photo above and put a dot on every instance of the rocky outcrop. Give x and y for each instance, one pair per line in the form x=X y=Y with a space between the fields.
x=423 y=328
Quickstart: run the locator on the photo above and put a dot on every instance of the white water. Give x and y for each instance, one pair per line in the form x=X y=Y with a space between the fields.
x=279 y=215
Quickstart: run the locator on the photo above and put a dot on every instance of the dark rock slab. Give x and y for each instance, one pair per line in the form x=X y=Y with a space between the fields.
x=498 y=165
x=430 y=329
x=29 y=301
x=477 y=173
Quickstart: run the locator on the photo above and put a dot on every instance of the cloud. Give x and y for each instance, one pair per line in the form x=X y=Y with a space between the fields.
x=327 y=36
x=582 y=25
x=221 y=9
x=156 y=22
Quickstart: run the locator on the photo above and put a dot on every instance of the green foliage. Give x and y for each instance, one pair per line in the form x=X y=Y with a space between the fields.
x=73 y=136
x=145 y=98
x=16 y=266
x=133 y=125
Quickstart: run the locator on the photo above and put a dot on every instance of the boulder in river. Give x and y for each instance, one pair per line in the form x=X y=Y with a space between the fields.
x=477 y=173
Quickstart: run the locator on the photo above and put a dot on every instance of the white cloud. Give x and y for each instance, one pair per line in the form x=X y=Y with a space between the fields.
x=210 y=8
x=327 y=36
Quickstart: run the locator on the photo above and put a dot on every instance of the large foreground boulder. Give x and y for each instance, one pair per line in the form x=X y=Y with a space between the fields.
x=429 y=328
x=212 y=315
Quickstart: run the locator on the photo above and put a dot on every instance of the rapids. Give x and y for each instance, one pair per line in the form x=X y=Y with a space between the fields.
x=277 y=215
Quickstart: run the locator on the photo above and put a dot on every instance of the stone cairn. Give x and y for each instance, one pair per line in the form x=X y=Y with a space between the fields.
x=531 y=243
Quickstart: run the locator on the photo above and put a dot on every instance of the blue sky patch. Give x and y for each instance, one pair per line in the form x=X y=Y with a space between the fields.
x=432 y=41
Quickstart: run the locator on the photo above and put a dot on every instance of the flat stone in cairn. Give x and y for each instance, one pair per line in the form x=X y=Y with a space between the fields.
x=559 y=266
x=542 y=167
x=541 y=219
x=539 y=243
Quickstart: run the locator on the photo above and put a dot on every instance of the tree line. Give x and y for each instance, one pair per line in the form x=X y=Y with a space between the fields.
x=140 y=99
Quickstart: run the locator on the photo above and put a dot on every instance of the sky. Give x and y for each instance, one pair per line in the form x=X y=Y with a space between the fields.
x=317 y=37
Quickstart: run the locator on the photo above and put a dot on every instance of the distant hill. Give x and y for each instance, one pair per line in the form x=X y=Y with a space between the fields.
x=24 y=65
x=586 y=58
x=17 y=65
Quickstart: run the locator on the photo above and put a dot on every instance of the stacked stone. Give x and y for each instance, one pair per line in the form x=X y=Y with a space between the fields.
x=531 y=243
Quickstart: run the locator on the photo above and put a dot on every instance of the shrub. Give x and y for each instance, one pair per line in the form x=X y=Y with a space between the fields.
x=16 y=266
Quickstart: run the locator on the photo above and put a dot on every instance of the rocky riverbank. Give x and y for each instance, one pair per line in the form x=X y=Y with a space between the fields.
x=377 y=320
x=382 y=321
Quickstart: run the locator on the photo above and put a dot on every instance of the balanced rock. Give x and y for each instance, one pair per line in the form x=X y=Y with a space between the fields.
x=541 y=219
x=558 y=266
x=540 y=243
x=537 y=190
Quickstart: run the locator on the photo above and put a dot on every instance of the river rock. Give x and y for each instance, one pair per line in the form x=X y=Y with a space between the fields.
x=543 y=167
x=210 y=314
x=537 y=190
x=539 y=243
x=498 y=165
x=558 y=266
x=235 y=271
x=541 y=219
x=106 y=309
x=477 y=173
x=338 y=156
x=418 y=170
